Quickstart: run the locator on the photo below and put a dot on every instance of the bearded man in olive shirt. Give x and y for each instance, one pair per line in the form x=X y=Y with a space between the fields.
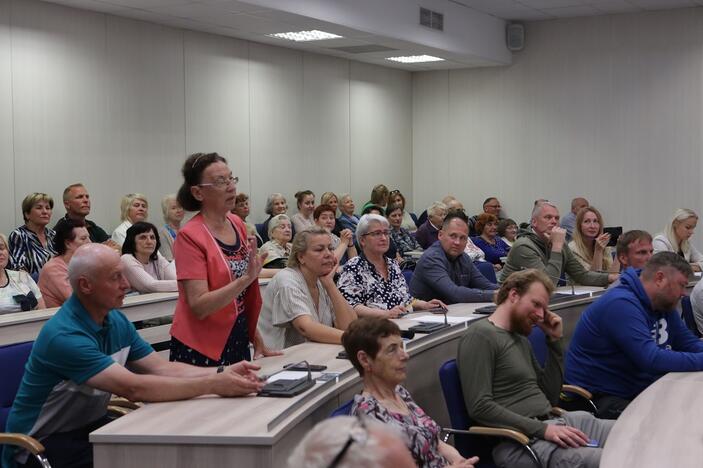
x=504 y=385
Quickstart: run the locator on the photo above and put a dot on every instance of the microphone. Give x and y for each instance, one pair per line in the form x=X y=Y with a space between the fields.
x=444 y=311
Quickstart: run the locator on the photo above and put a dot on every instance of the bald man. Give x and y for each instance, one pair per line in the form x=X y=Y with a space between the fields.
x=89 y=350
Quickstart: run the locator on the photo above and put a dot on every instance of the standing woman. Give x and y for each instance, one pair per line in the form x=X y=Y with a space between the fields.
x=18 y=291
x=676 y=235
x=53 y=280
x=133 y=208
x=590 y=244
x=32 y=245
x=173 y=216
x=306 y=206
x=217 y=269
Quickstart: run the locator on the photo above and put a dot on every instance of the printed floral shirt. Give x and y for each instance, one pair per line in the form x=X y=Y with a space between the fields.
x=360 y=283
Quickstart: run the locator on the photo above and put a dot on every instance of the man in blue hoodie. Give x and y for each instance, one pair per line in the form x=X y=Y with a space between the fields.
x=633 y=335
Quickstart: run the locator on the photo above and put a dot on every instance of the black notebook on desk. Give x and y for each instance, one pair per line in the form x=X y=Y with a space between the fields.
x=287 y=388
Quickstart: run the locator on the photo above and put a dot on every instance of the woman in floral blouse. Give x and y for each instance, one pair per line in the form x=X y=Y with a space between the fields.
x=375 y=348
x=372 y=283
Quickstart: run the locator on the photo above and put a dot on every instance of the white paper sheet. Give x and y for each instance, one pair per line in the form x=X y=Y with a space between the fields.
x=291 y=375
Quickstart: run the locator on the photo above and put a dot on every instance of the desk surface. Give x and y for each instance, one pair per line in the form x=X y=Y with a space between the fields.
x=259 y=421
x=661 y=427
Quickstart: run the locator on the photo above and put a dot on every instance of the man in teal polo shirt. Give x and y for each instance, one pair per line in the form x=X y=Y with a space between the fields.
x=90 y=350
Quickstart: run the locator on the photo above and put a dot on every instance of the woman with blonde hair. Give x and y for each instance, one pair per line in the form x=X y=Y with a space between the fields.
x=173 y=215
x=133 y=207
x=590 y=243
x=32 y=244
x=676 y=235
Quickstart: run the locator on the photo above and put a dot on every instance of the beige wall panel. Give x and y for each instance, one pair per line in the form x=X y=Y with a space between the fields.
x=7 y=163
x=607 y=107
x=217 y=101
x=381 y=130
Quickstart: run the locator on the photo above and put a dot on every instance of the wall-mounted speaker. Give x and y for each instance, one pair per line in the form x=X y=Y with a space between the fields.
x=515 y=36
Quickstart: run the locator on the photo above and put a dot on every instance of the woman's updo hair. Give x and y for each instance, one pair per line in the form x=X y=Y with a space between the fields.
x=192 y=171
x=65 y=233
x=300 y=196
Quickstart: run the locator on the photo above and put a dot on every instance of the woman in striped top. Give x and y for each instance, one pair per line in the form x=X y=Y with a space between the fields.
x=32 y=245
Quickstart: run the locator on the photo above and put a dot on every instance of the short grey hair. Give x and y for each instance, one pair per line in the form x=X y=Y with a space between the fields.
x=343 y=197
x=269 y=202
x=165 y=201
x=275 y=222
x=87 y=261
x=435 y=207
x=538 y=208
x=325 y=441
x=364 y=223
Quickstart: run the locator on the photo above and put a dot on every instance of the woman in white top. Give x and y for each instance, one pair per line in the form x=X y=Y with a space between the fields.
x=278 y=248
x=133 y=208
x=173 y=216
x=144 y=267
x=18 y=291
x=590 y=243
x=676 y=235
x=302 y=303
x=306 y=206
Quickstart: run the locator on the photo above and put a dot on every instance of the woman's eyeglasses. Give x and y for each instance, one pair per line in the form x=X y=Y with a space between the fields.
x=221 y=182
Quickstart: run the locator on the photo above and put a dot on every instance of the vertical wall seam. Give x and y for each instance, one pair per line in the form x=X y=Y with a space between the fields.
x=12 y=110
x=349 y=124
x=185 y=94
x=251 y=119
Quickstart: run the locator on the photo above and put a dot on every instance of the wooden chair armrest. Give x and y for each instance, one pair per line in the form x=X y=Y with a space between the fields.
x=118 y=411
x=124 y=403
x=580 y=391
x=512 y=434
x=28 y=443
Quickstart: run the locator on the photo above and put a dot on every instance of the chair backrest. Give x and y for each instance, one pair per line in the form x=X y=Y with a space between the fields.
x=467 y=445
x=687 y=316
x=539 y=345
x=487 y=270
x=260 y=230
x=344 y=410
x=12 y=361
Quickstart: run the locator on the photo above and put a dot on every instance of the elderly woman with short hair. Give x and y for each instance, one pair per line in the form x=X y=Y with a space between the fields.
x=373 y=283
x=32 y=244
x=275 y=204
x=173 y=215
x=241 y=209
x=376 y=350
x=278 y=249
x=302 y=303
x=347 y=218
x=343 y=245
x=401 y=237
x=426 y=234
x=489 y=241
x=507 y=230
x=133 y=207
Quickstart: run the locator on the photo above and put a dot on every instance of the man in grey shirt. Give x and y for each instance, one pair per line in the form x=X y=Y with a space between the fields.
x=505 y=386
x=569 y=221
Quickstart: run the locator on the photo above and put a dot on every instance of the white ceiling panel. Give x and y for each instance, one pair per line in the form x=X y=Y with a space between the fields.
x=574 y=11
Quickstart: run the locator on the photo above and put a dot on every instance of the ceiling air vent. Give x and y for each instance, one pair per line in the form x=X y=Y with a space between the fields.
x=432 y=19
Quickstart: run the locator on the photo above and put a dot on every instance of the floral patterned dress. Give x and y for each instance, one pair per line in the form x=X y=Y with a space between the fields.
x=360 y=283
x=422 y=433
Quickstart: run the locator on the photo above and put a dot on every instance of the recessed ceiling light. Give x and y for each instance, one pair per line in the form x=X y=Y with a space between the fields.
x=304 y=36
x=415 y=59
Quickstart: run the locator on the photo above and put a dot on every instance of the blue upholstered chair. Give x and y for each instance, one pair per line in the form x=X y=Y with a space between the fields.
x=487 y=270
x=471 y=440
x=12 y=361
x=344 y=410
x=687 y=316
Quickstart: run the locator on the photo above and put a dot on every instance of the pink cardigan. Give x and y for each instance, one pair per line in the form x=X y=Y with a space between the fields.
x=198 y=257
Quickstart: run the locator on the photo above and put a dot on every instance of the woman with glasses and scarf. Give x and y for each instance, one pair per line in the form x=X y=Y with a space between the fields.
x=217 y=268
x=373 y=283
x=375 y=348
x=18 y=291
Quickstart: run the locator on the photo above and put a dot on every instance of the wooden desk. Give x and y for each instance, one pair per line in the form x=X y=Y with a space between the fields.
x=661 y=427
x=261 y=432
x=25 y=326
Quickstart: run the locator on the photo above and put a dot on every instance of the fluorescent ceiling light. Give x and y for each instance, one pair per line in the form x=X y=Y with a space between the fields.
x=415 y=59
x=304 y=36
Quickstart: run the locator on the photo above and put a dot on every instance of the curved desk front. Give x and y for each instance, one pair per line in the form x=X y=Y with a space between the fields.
x=261 y=432
x=661 y=428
